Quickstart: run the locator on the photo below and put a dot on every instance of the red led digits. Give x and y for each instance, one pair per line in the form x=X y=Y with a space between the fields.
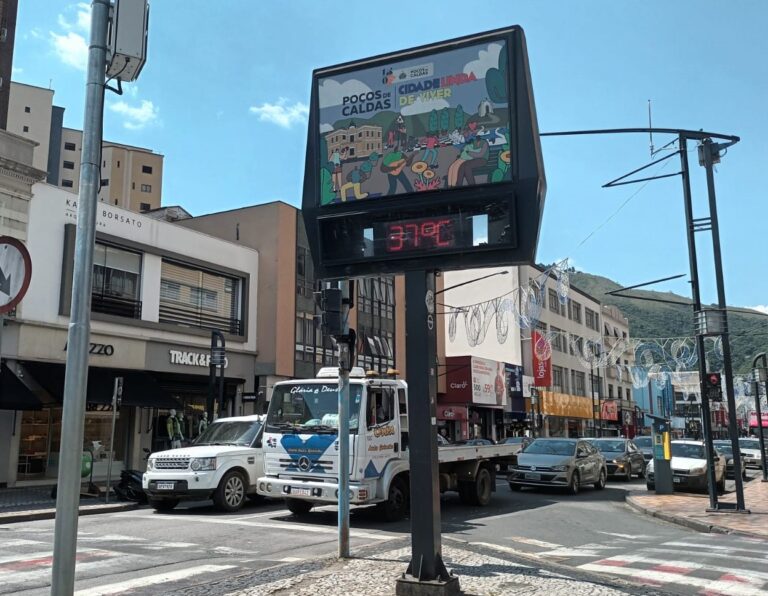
x=420 y=234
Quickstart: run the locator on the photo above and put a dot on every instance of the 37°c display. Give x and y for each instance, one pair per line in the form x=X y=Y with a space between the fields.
x=424 y=233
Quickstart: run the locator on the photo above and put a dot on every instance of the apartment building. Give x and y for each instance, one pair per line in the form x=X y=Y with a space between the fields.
x=158 y=292
x=617 y=379
x=131 y=177
x=8 y=12
x=291 y=342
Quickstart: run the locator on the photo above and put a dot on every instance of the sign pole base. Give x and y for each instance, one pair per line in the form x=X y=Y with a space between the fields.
x=409 y=585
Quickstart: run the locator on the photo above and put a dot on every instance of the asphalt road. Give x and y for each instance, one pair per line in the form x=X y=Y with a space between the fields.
x=139 y=551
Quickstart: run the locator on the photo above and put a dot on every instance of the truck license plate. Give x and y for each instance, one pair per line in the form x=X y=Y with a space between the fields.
x=304 y=492
x=531 y=476
x=165 y=485
x=677 y=479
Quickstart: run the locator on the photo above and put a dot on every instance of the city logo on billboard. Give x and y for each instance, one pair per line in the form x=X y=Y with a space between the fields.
x=462 y=385
x=192 y=358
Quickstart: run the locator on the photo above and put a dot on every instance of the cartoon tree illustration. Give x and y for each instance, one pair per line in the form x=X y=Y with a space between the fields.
x=326 y=187
x=445 y=120
x=496 y=80
x=433 y=121
x=458 y=117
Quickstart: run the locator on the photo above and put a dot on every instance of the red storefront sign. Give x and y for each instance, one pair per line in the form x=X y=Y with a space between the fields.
x=542 y=368
x=753 y=419
x=451 y=413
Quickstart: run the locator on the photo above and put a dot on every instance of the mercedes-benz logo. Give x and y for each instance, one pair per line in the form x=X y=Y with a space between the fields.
x=533 y=468
x=304 y=463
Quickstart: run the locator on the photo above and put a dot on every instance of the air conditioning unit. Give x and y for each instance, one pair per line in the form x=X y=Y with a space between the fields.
x=127 y=39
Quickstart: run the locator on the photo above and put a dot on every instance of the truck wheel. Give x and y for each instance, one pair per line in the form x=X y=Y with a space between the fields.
x=298 y=507
x=230 y=494
x=163 y=505
x=477 y=492
x=395 y=507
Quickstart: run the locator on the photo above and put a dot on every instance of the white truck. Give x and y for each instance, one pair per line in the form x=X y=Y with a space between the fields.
x=301 y=447
x=223 y=464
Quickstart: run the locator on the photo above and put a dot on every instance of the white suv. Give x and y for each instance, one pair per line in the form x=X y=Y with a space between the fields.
x=222 y=464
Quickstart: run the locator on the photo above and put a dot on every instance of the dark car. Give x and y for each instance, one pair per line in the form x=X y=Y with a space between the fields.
x=725 y=448
x=644 y=445
x=622 y=457
x=567 y=463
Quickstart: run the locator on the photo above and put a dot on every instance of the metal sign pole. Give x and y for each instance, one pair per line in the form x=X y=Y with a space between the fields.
x=75 y=381
x=343 y=517
x=116 y=395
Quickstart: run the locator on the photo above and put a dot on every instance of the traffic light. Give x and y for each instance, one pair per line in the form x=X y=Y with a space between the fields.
x=712 y=387
x=333 y=318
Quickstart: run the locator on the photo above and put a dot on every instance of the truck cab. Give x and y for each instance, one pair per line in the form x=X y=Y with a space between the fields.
x=301 y=441
x=222 y=464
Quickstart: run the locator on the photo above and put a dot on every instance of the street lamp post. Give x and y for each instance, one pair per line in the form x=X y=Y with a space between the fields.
x=760 y=374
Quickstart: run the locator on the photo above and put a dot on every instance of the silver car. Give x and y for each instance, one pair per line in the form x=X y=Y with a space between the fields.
x=567 y=463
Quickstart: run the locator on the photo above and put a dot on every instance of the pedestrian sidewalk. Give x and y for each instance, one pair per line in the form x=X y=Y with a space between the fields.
x=690 y=510
x=29 y=503
x=373 y=571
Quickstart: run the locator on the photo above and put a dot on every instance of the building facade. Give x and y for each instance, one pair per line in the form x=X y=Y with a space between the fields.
x=158 y=292
x=131 y=177
x=355 y=142
x=619 y=417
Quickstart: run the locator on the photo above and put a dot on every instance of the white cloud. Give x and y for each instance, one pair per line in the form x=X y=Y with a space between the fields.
x=16 y=71
x=136 y=117
x=325 y=127
x=332 y=93
x=281 y=113
x=71 y=49
x=421 y=107
x=763 y=308
x=485 y=59
x=82 y=18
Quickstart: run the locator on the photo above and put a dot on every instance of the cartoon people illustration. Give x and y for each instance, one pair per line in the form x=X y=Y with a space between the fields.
x=393 y=164
x=359 y=175
x=402 y=132
x=431 y=150
x=473 y=155
x=335 y=159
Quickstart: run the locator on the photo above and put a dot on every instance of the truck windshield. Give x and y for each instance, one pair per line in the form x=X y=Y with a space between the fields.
x=311 y=408
x=240 y=432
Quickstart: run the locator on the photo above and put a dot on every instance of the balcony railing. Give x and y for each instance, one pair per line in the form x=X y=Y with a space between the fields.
x=190 y=317
x=112 y=305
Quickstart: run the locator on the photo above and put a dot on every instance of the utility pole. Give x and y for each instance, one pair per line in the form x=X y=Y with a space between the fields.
x=761 y=374
x=78 y=337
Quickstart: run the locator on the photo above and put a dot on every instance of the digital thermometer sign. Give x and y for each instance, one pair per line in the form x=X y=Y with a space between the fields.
x=425 y=233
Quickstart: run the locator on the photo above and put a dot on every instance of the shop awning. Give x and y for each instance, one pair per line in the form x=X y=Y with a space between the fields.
x=14 y=395
x=139 y=388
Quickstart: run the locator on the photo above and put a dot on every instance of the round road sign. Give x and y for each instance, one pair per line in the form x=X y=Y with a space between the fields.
x=15 y=272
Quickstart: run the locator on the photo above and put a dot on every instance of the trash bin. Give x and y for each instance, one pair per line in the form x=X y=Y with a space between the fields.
x=86 y=465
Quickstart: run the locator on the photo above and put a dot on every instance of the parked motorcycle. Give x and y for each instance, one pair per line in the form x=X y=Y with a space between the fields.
x=129 y=488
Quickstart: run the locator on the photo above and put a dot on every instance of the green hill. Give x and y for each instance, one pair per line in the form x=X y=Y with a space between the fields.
x=748 y=329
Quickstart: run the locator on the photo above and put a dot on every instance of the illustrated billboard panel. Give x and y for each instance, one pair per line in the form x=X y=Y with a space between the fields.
x=426 y=123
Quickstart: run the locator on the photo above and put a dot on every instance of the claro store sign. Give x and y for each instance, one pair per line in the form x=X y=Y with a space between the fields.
x=186 y=358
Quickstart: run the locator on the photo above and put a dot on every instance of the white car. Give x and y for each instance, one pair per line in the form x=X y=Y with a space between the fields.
x=750 y=451
x=223 y=464
x=689 y=467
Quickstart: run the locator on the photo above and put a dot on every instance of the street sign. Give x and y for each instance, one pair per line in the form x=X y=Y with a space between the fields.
x=15 y=272
x=425 y=159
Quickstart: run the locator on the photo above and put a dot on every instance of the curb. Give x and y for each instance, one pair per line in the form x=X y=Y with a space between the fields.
x=34 y=515
x=691 y=524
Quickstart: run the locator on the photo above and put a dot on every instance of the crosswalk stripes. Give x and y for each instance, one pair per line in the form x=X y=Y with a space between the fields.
x=152 y=580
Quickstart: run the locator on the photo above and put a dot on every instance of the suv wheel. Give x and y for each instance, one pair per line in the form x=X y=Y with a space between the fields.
x=573 y=485
x=230 y=494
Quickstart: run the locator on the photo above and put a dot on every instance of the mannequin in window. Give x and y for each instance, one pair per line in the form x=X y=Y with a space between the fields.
x=202 y=424
x=173 y=427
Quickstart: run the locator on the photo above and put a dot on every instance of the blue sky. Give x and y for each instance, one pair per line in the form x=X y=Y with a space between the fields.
x=224 y=97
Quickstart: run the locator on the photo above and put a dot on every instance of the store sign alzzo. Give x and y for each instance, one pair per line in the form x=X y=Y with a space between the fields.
x=185 y=358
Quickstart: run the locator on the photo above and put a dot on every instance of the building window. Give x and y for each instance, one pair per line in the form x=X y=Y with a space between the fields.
x=591 y=319
x=25 y=128
x=116 y=280
x=146 y=169
x=191 y=297
x=574 y=311
x=558 y=339
x=105 y=181
x=27 y=109
x=629 y=395
x=118 y=163
x=554 y=301
x=146 y=188
x=610 y=391
x=115 y=201
x=70 y=146
x=133 y=186
x=557 y=379
x=68 y=165
x=579 y=387
x=67 y=183
x=301 y=261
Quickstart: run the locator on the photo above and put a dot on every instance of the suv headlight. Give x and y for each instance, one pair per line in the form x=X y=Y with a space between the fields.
x=699 y=470
x=620 y=460
x=559 y=468
x=151 y=464
x=203 y=464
